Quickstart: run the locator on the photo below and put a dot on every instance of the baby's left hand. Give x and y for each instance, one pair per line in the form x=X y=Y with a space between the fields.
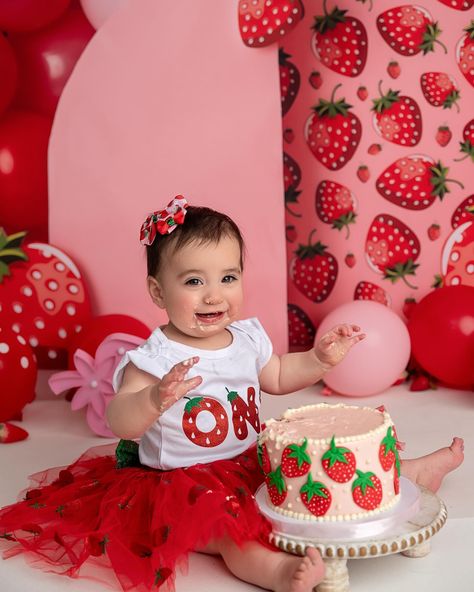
x=334 y=345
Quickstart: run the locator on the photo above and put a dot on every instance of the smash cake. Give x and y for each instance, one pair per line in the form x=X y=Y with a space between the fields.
x=330 y=462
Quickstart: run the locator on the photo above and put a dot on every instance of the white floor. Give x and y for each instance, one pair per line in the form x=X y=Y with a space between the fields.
x=425 y=421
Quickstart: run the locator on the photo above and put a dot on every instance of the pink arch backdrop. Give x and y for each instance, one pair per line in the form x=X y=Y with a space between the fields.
x=166 y=99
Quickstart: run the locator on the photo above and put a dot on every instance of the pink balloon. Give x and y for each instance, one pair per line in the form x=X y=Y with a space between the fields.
x=46 y=59
x=27 y=15
x=98 y=11
x=375 y=363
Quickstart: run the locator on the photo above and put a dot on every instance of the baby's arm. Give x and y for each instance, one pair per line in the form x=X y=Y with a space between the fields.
x=142 y=398
x=291 y=372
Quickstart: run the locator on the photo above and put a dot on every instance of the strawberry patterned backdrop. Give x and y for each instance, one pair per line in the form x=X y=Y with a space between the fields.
x=378 y=140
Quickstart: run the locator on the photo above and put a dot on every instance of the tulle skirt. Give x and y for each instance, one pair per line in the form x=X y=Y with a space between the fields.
x=132 y=524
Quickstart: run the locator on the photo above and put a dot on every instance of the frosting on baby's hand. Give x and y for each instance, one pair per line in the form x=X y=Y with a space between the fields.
x=333 y=346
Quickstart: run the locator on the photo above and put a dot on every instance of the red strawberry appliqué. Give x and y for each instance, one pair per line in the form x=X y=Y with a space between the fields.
x=392 y=248
x=409 y=29
x=315 y=496
x=301 y=331
x=42 y=297
x=370 y=291
x=262 y=22
x=314 y=271
x=276 y=487
x=388 y=452
x=367 y=490
x=336 y=205
x=215 y=435
x=414 y=182
x=339 y=462
x=332 y=132
x=397 y=118
x=243 y=413
x=295 y=460
x=458 y=4
x=340 y=42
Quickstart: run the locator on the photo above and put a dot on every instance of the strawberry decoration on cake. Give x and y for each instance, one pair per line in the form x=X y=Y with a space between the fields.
x=339 y=462
x=370 y=291
x=336 y=205
x=301 y=331
x=397 y=118
x=295 y=460
x=276 y=487
x=263 y=458
x=262 y=22
x=314 y=270
x=315 y=496
x=42 y=297
x=332 y=132
x=440 y=90
x=414 y=182
x=388 y=453
x=367 y=490
x=340 y=42
x=409 y=30
x=289 y=81
x=392 y=248
x=465 y=53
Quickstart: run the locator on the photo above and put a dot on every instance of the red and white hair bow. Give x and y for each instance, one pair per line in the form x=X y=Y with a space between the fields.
x=163 y=221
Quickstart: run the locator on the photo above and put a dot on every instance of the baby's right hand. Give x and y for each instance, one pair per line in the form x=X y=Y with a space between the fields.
x=173 y=385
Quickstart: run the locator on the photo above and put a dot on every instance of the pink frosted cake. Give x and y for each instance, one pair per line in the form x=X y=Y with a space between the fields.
x=330 y=462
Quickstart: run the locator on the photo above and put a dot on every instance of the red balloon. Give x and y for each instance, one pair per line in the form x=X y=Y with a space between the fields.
x=97 y=329
x=27 y=15
x=442 y=334
x=8 y=74
x=18 y=374
x=24 y=140
x=46 y=59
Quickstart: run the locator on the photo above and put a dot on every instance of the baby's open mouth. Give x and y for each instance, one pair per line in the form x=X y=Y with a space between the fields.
x=209 y=317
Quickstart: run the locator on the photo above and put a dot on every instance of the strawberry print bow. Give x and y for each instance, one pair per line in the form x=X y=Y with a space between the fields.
x=163 y=221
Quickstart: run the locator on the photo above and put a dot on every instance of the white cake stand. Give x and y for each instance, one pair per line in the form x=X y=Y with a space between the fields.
x=405 y=529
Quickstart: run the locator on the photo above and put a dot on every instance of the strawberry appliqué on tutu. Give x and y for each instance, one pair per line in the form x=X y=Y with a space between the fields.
x=129 y=520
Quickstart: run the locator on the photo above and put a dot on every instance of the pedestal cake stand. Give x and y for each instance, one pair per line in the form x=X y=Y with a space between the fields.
x=405 y=529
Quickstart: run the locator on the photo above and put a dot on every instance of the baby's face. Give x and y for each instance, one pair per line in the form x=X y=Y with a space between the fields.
x=201 y=287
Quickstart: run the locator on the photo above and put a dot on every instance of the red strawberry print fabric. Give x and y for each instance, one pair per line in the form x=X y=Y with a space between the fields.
x=378 y=154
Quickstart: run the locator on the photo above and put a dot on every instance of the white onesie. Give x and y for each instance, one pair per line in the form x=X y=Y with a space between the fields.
x=220 y=418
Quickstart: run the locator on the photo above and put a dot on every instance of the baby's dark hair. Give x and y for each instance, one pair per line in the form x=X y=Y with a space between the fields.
x=202 y=225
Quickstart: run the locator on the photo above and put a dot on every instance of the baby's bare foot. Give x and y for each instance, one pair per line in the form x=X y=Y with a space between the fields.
x=302 y=574
x=430 y=470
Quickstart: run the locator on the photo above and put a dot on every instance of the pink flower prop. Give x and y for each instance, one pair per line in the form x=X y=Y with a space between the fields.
x=93 y=379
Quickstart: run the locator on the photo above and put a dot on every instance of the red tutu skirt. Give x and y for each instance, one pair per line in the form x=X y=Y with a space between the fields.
x=135 y=522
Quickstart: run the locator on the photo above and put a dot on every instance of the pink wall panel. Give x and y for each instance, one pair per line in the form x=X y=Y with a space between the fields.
x=166 y=99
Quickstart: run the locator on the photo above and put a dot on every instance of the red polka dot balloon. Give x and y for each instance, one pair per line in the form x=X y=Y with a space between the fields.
x=18 y=373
